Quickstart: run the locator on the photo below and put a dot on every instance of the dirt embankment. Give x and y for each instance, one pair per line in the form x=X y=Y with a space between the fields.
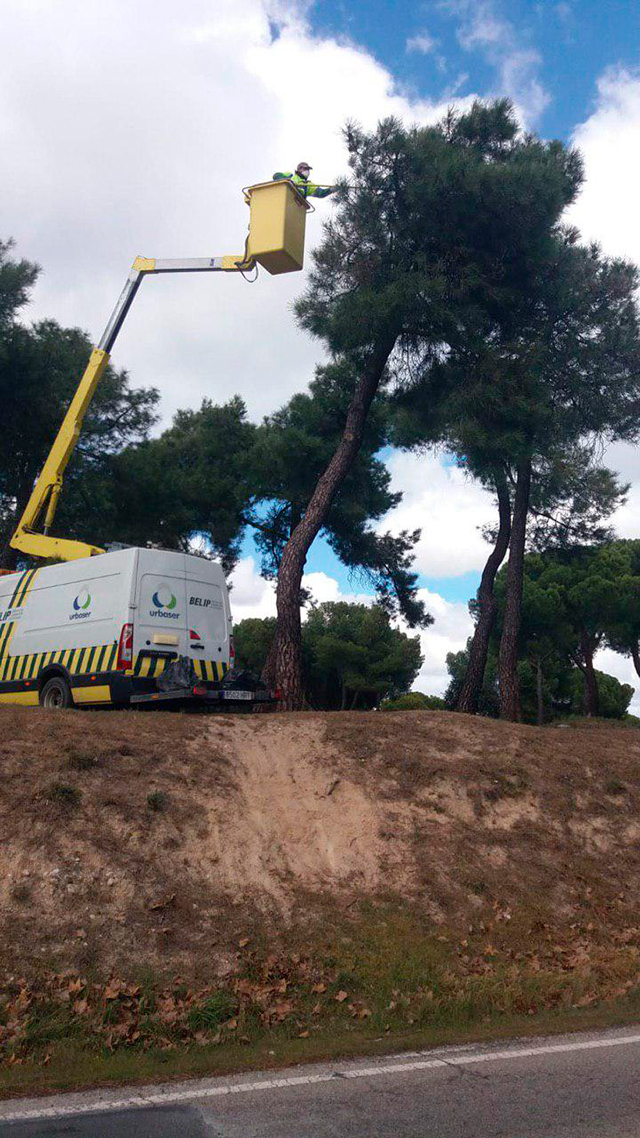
x=162 y=839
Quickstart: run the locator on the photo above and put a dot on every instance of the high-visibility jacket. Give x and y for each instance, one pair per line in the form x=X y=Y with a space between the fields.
x=306 y=188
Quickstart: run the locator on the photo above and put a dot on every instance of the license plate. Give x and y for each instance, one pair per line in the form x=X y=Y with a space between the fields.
x=238 y=695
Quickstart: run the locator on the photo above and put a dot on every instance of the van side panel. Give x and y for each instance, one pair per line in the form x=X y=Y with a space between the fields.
x=12 y=612
x=69 y=615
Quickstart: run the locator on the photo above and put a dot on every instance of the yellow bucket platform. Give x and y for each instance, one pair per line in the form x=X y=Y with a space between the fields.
x=276 y=226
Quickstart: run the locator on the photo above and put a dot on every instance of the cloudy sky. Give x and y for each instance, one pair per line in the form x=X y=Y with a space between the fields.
x=131 y=128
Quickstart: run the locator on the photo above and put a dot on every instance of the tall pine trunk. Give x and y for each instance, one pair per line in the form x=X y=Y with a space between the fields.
x=592 y=696
x=284 y=668
x=472 y=685
x=635 y=653
x=508 y=656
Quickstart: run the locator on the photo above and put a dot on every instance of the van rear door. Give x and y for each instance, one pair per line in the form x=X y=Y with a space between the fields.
x=160 y=626
x=207 y=627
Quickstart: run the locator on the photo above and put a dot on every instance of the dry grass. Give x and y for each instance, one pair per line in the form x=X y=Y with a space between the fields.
x=450 y=874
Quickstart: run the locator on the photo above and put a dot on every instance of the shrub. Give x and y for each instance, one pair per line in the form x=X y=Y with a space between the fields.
x=209 y=1015
x=413 y=701
x=158 y=801
x=63 y=793
x=81 y=760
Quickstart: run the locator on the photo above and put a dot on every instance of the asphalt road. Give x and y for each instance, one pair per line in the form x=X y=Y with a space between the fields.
x=585 y=1086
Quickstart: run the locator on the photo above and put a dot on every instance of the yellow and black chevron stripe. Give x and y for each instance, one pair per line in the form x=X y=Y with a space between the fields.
x=77 y=661
x=25 y=581
x=150 y=666
x=209 y=669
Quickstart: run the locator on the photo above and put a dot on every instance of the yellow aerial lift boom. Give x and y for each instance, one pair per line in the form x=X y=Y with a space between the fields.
x=275 y=241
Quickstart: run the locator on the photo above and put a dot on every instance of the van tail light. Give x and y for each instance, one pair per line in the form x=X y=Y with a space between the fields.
x=232 y=651
x=125 y=648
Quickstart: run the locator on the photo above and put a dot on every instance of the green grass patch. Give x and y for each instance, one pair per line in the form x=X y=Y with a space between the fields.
x=384 y=980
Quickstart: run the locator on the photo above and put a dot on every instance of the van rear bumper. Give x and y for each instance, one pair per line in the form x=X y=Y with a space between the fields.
x=201 y=695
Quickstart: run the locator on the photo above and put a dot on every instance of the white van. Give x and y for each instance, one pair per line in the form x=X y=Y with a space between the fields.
x=127 y=627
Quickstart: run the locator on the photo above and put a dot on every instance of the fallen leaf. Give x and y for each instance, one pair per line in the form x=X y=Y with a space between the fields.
x=303 y=1035
x=156 y=905
x=318 y=988
x=584 y=1002
x=341 y=996
x=244 y=942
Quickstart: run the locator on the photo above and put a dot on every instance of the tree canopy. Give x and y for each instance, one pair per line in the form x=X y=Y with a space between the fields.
x=353 y=656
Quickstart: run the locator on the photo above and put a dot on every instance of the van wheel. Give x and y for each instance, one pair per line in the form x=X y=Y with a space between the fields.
x=56 y=693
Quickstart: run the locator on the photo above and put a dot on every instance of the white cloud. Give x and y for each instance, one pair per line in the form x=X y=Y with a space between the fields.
x=136 y=134
x=482 y=29
x=607 y=212
x=449 y=508
x=422 y=43
x=607 y=209
x=449 y=633
x=323 y=588
x=250 y=594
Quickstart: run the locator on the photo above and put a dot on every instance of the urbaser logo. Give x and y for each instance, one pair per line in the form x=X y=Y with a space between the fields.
x=81 y=606
x=164 y=602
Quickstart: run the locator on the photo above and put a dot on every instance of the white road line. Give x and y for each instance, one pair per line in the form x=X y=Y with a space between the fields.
x=197 y=1094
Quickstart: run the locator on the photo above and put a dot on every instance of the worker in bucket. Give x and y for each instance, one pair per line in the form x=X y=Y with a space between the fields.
x=301 y=182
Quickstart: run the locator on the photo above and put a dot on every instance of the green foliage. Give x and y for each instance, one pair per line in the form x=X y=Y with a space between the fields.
x=355 y=657
x=193 y=482
x=352 y=654
x=570 y=598
x=622 y=625
x=212 y=1012
x=17 y=278
x=292 y=448
x=545 y=362
x=40 y=368
x=434 y=222
x=414 y=701
x=252 y=639
x=613 y=697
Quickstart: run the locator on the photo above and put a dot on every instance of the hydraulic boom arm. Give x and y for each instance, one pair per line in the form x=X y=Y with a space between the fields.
x=275 y=241
x=46 y=492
